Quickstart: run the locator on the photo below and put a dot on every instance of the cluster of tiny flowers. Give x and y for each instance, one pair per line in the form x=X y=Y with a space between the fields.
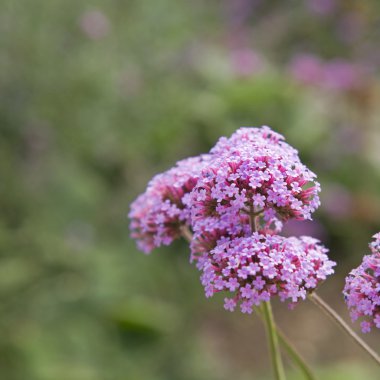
x=235 y=200
x=258 y=267
x=158 y=214
x=248 y=135
x=362 y=289
x=205 y=239
x=254 y=172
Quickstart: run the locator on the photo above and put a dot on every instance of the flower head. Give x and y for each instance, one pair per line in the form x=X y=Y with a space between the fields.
x=362 y=289
x=158 y=214
x=255 y=172
x=258 y=267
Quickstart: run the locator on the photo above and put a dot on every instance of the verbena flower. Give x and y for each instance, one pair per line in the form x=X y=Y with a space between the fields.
x=256 y=135
x=254 y=172
x=256 y=268
x=205 y=238
x=158 y=214
x=362 y=289
x=211 y=230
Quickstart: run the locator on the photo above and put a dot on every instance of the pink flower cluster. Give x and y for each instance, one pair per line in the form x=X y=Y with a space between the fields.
x=235 y=200
x=158 y=214
x=254 y=172
x=258 y=267
x=362 y=289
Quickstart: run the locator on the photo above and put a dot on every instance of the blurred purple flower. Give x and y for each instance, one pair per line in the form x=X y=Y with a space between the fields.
x=246 y=62
x=341 y=75
x=307 y=69
x=94 y=24
x=338 y=74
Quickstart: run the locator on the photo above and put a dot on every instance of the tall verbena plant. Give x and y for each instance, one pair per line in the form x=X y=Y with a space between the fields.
x=231 y=205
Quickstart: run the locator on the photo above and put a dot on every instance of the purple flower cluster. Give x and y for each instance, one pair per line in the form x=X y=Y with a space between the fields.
x=258 y=267
x=362 y=289
x=235 y=200
x=253 y=172
x=158 y=214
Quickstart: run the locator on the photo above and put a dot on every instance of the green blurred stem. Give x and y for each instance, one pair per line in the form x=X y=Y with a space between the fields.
x=292 y=351
x=331 y=313
x=295 y=356
x=274 y=347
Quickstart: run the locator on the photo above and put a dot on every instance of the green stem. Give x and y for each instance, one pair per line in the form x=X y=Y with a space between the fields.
x=273 y=342
x=291 y=350
x=295 y=356
x=343 y=325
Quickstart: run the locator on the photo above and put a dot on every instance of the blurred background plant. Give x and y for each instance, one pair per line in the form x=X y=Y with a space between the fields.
x=96 y=97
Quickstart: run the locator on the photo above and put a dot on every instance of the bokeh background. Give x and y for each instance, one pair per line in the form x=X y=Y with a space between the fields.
x=98 y=96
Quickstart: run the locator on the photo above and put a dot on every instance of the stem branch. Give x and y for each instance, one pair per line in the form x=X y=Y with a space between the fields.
x=186 y=233
x=343 y=325
x=291 y=350
x=273 y=342
x=252 y=219
x=296 y=357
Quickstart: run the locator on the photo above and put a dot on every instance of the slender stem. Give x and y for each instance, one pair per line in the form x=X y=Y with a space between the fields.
x=256 y=222
x=274 y=348
x=338 y=320
x=252 y=219
x=296 y=357
x=292 y=351
x=273 y=342
x=186 y=233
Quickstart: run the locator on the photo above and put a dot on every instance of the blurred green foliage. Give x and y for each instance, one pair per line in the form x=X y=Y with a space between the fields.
x=96 y=97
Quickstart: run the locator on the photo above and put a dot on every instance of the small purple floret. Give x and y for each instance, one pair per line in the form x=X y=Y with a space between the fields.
x=362 y=289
